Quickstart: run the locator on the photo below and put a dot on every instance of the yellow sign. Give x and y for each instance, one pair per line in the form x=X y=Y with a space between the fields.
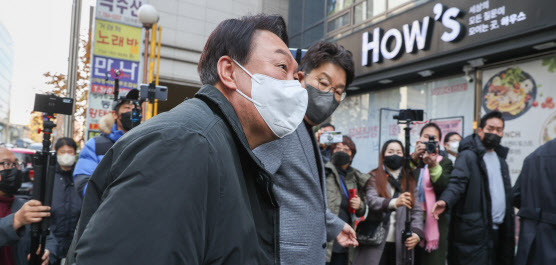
x=117 y=40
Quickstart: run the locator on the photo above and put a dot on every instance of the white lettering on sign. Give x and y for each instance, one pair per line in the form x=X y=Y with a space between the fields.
x=416 y=34
x=397 y=35
x=449 y=21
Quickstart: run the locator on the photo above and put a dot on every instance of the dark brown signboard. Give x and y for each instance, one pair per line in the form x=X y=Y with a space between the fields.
x=438 y=29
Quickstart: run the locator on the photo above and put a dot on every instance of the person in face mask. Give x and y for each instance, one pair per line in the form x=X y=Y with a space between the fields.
x=66 y=202
x=388 y=199
x=184 y=187
x=296 y=165
x=479 y=194
x=340 y=179
x=112 y=126
x=451 y=144
x=16 y=215
x=433 y=172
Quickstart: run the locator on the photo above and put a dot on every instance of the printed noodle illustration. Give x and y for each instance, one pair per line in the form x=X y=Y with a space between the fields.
x=510 y=92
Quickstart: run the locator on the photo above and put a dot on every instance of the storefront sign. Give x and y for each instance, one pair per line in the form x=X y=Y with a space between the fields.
x=523 y=93
x=98 y=106
x=418 y=34
x=103 y=66
x=439 y=28
x=117 y=40
x=121 y=11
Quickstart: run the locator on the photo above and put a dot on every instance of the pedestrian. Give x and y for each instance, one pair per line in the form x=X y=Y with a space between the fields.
x=297 y=169
x=480 y=198
x=451 y=144
x=184 y=187
x=388 y=198
x=66 y=202
x=533 y=193
x=325 y=151
x=433 y=172
x=16 y=216
x=341 y=179
x=95 y=149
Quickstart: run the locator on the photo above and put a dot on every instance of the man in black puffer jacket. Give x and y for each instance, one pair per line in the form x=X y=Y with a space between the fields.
x=480 y=196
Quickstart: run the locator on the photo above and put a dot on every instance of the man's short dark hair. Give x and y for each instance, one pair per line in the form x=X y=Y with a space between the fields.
x=328 y=125
x=493 y=114
x=324 y=51
x=233 y=37
x=434 y=125
x=449 y=135
x=65 y=141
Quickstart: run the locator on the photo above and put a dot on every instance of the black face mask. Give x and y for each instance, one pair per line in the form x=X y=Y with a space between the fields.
x=393 y=162
x=11 y=180
x=126 y=120
x=491 y=141
x=340 y=158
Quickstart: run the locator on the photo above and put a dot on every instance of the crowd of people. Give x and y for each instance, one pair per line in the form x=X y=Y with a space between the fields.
x=237 y=175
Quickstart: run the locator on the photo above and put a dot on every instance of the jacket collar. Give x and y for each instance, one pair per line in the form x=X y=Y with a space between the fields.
x=115 y=134
x=211 y=94
x=473 y=143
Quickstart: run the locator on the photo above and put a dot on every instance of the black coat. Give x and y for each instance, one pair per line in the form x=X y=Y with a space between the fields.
x=534 y=195
x=66 y=207
x=182 y=188
x=468 y=196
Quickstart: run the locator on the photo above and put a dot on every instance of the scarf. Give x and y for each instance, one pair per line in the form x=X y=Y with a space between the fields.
x=6 y=253
x=428 y=199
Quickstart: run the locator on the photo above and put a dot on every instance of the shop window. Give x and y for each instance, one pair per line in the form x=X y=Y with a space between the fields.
x=334 y=6
x=368 y=9
x=338 y=22
x=396 y=3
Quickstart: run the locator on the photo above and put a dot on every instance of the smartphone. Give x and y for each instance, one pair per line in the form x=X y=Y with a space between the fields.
x=352 y=193
x=160 y=92
x=329 y=138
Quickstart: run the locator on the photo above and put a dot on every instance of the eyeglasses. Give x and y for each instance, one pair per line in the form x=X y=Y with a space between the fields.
x=325 y=85
x=10 y=165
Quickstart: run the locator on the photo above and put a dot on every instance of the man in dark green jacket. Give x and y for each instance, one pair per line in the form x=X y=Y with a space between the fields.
x=184 y=187
x=439 y=168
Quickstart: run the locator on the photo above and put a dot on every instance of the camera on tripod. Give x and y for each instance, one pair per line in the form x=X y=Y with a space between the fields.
x=51 y=104
x=409 y=115
x=431 y=145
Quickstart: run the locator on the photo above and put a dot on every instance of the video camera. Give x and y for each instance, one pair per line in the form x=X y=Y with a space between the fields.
x=44 y=163
x=409 y=115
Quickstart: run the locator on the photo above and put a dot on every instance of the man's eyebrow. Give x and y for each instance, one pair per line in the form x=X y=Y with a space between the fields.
x=282 y=51
x=330 y=79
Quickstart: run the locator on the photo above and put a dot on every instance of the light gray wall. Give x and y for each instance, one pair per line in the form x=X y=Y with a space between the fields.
x=186 y=25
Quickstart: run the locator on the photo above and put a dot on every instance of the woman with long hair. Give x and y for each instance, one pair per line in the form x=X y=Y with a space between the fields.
x=388 y=198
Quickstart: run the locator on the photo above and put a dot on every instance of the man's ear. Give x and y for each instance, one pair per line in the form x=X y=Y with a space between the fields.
x=225 y=67
x=114 y=115
x=301 y=78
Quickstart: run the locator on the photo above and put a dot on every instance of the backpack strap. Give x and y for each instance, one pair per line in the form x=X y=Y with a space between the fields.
x=102 y=144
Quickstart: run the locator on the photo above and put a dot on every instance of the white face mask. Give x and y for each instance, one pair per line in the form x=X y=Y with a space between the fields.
x=453 y=146
x=66 y=160
x=281 y=103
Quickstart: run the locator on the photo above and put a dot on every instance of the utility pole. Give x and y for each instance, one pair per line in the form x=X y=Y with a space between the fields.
x=72 y=63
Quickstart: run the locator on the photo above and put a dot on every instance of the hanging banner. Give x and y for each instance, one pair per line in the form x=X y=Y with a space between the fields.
x=103 y=68
x=121 y=11
x=117 y=40
x=98 y=106
x=524 y=94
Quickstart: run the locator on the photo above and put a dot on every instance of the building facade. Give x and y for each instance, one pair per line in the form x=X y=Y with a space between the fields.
x=456 y=60
x=6 y=69
x=186 y=26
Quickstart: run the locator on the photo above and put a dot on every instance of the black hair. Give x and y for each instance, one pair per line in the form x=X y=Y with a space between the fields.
x=328 y=124
x=65 y=141
x=324 y=51
x=491 y=115
x=233 y=37
x=434 y=125
x=449 y=135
